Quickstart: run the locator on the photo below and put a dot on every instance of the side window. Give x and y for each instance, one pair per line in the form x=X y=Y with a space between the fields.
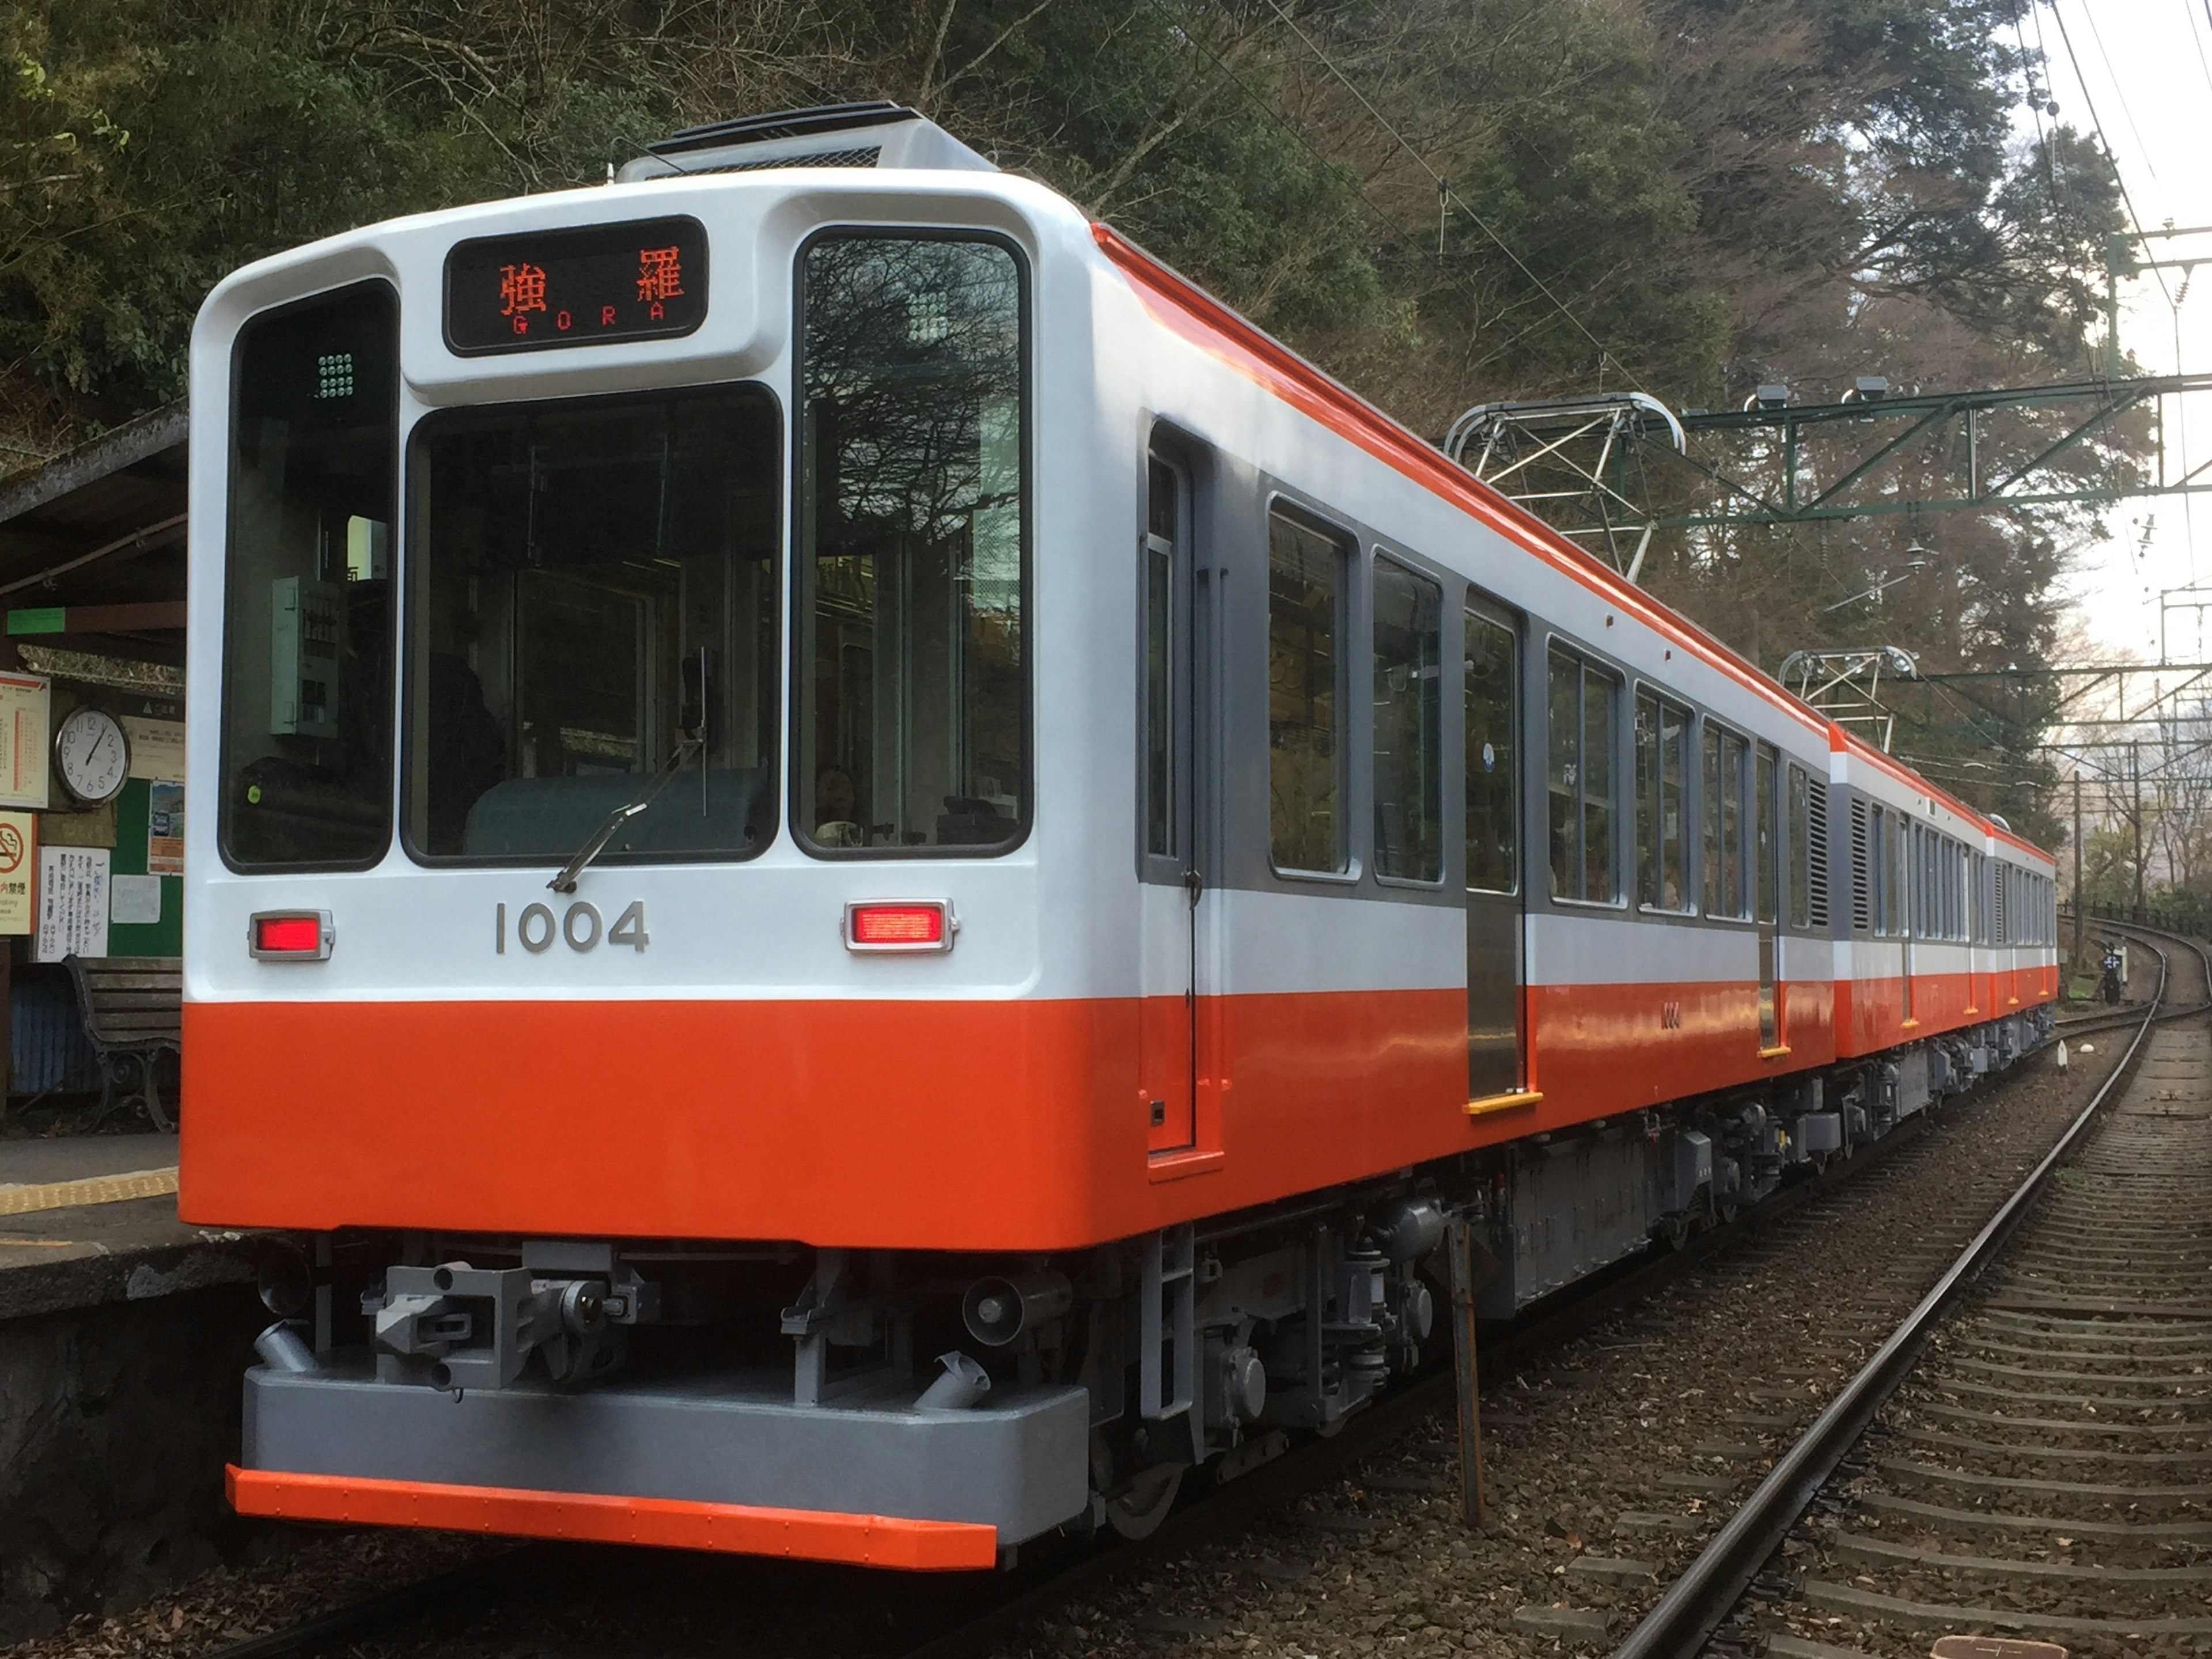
x=1950 y=871
x=1915 y=919
x=1162 y=522
x=1708 y=794
x=1894 y=887
x=1765 y=846
x=1798 y=814
x=1878 y=868
x=307 y=698
x=1492 y=699
x=1579 y=731
x=1727 y=758
x=1409 y=797
x=1734 y=827
x=1663 y=766
x=1305 y=721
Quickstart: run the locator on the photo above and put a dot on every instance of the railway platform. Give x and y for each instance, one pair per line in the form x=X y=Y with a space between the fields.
x=91 y=1219
x=123 y=1333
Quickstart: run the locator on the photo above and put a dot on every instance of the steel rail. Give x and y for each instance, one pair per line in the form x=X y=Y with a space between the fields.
x=1677 y=1627
x=378 y=1612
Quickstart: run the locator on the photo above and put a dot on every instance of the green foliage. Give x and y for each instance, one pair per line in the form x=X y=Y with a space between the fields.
x=1688 y=195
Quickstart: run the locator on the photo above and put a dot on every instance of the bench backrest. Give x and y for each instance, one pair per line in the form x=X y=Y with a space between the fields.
x=130 y=1001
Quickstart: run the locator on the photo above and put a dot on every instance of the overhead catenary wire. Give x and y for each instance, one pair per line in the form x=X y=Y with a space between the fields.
x=2189 y=15
x=1450 y=197
x=1381 y=212
x=2112 y=156
x=2119 y=87
x=2035 y=109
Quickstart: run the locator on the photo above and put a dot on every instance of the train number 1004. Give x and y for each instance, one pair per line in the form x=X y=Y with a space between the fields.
x=582 y=927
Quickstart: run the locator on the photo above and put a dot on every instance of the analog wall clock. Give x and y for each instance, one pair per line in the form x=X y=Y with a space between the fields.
x=93 y=755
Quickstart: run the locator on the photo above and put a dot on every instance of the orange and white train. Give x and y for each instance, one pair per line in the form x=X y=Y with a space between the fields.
x=876 y=876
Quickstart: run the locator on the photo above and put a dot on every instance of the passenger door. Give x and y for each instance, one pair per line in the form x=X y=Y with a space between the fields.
x=1909 y=845
x=1491 y=697
x=1173 y=887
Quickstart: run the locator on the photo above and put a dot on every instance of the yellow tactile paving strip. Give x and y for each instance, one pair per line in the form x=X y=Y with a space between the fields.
x=70 y=1194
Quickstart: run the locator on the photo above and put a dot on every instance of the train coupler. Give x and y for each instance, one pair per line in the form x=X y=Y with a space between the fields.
x=459 y=1327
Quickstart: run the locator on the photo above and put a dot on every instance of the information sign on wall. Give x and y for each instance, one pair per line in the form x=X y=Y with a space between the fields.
x=157 y=748
x=25 y=700
x=72 y=901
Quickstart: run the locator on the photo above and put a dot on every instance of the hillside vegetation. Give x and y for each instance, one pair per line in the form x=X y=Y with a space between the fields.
x=1688 y=196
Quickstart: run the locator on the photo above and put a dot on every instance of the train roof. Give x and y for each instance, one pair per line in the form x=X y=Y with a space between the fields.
x=1240 y=343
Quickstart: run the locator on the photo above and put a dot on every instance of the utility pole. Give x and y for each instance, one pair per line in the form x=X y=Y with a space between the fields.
x=2080 y=903
x=2134 y=771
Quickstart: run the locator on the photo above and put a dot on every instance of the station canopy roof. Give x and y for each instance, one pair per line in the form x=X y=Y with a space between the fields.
x=92 y=545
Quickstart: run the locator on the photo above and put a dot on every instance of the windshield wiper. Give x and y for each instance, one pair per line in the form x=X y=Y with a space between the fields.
x=566 y=881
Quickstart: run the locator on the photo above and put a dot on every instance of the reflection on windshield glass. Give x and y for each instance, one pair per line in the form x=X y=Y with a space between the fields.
x=912 y=731
x=595 y=579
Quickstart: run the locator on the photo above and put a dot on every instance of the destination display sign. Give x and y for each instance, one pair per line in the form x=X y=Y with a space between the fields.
x=563 y=288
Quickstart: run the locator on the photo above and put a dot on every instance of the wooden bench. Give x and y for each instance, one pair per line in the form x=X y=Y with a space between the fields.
x=134 y=1013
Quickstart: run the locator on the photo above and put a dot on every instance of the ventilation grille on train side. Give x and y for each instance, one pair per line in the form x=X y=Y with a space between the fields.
x=876 y=134
x=824 y=158
x=1862 y=886
x=1816 y=853
x=2003 y=931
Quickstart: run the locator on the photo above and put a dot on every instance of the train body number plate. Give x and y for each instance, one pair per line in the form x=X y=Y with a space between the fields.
x=537 y=928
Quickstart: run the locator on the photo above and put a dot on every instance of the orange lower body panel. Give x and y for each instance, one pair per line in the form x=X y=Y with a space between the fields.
x=948 y=1125
x=866 y=1540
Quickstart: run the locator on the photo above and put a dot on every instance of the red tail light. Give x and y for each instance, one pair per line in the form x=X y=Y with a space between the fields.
x=923 y=925
x=291 y=935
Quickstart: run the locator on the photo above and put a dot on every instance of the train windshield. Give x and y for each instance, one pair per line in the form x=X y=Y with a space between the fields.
x=593 y=599
x=913 y=727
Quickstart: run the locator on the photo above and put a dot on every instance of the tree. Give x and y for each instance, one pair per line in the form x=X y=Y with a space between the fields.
x=1441 y=204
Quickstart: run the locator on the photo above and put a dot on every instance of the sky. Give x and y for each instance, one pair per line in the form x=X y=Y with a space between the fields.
x=2145 y=72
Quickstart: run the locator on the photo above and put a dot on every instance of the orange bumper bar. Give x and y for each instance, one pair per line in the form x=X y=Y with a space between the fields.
x=869 y=1540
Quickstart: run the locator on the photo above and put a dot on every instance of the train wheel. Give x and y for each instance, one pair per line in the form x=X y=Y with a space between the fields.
x=1676 y=1230
x=1146 y=1501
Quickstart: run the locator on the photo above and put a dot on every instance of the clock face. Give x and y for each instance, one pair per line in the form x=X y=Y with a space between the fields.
x=93 y=755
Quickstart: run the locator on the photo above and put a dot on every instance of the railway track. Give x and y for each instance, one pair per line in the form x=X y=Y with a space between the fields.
x=2029 y=1453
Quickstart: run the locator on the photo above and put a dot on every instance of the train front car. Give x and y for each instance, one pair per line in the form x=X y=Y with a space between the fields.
x=876 y=877
x=619 y=987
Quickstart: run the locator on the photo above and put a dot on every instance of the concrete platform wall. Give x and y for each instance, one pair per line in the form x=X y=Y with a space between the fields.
x=119 y=1380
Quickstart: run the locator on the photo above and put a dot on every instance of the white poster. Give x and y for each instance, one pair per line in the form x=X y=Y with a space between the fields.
x=24 y=704
x=157 y=748
x=136 y=901
x=72 y=901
